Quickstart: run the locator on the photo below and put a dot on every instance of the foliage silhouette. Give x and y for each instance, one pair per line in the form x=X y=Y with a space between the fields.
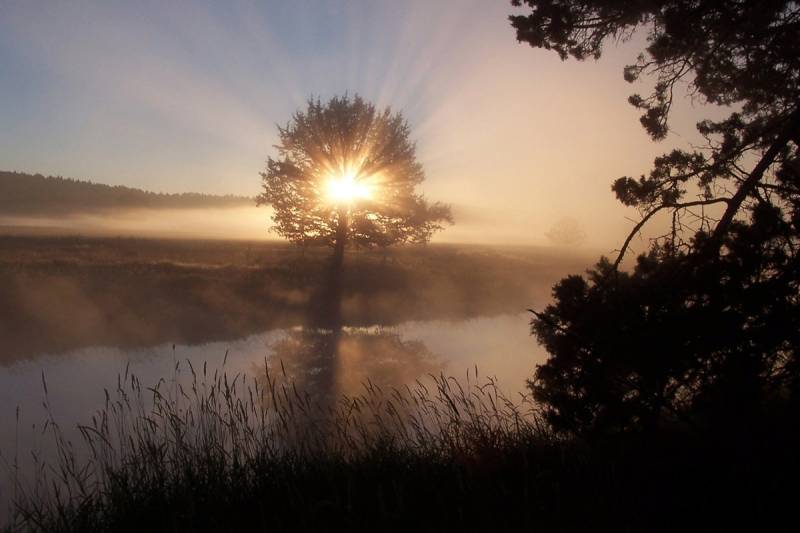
x=348 y=139
x=34 y=194
x=566 y=232
x=705 y=327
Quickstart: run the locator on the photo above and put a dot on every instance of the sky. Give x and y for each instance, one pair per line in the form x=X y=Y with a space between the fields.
x=186 y=96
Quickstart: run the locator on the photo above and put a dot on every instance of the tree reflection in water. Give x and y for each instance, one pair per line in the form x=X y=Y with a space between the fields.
x=326 y=360
x=327 y=364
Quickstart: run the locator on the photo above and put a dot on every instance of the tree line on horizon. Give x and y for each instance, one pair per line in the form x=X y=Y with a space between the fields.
x=35 y=194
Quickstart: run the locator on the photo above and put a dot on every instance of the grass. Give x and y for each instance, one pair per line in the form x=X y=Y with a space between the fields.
x=257 y=451
x=238 y=453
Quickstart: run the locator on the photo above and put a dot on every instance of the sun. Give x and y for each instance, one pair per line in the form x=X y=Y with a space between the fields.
x=346 y=188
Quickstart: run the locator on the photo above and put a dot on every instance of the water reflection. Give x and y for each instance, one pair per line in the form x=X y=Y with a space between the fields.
x=328 y=360
x=330 y=363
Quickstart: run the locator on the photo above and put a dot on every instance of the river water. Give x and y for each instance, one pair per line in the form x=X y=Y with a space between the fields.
x=499 y=346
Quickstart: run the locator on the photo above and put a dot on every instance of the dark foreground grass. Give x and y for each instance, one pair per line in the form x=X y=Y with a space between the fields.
x=242 y=454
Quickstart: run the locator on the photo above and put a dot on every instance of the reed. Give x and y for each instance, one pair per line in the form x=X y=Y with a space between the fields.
x=212 y=451
x=157 y=457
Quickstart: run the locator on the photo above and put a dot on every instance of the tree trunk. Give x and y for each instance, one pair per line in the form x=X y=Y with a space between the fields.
x=328 y=313
x=341 y=240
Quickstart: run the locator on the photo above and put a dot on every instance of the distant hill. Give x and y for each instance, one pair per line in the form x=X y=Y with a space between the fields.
x=34 y=194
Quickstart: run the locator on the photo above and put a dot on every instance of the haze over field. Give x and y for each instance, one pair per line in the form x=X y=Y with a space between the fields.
x=511 y=136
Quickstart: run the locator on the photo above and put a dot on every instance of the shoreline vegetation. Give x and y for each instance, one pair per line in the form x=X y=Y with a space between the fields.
x=238 y=453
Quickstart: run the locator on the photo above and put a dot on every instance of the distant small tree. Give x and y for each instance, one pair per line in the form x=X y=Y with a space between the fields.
x=346 y=173
x=566 y=232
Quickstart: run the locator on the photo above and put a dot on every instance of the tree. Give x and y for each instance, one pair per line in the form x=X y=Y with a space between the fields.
x=712 y=345
x=566 y=232
x=711 y=313
x=346 y=173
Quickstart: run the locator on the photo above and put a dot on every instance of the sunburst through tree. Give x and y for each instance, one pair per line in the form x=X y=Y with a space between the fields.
x=347 y=172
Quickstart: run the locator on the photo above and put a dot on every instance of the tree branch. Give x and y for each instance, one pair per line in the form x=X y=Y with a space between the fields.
x=746 y=188
x=655 y=210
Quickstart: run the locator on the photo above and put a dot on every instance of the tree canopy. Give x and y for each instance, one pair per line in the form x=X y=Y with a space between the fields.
x=347 y=172
x=710 y=316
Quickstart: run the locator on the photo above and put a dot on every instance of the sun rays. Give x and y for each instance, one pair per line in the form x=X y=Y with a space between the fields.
x=346 y=189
